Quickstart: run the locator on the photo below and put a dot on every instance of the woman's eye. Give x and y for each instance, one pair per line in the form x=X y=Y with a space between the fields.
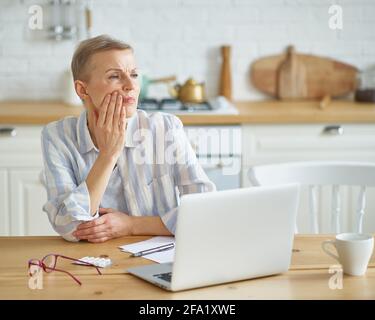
x=135 y=75
x=114 y=77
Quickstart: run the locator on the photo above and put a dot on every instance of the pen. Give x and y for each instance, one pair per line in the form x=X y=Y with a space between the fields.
x=153 y=250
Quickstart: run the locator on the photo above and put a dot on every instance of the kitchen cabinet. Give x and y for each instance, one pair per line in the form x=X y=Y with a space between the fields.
x=4 y=203
x=218 y=149
x=21 y=193
x=262 y=144
x=27 y=197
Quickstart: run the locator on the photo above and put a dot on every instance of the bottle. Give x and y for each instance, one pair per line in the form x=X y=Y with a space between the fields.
x=365 y=91
x=225 y=77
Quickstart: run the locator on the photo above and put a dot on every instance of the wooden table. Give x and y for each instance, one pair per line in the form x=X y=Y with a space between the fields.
x=308 y=277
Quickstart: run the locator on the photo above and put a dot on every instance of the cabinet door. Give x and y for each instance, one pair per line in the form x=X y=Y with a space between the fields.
x=23 y=150
x=27 y=197
x=4 y=203
x=264 y=144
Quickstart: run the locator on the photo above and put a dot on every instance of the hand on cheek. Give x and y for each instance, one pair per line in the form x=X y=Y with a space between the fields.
x=111 y=224
x=109 y=126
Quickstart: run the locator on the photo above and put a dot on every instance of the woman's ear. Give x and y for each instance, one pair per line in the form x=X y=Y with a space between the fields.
x=80 y=88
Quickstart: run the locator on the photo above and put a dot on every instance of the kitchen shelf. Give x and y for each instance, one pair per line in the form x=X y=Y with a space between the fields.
x=266 y=111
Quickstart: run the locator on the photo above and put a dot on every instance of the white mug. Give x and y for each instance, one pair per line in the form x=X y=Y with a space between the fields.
x=354 y=251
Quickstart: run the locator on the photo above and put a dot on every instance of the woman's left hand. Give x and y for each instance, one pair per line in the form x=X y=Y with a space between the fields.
x=111 y=224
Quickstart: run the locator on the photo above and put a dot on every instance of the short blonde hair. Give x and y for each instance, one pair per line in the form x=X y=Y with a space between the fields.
x=87 y=48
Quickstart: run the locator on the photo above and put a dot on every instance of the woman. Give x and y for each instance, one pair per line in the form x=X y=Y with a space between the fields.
x=115 y=171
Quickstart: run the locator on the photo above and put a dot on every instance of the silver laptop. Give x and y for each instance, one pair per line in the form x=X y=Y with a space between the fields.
x=228 y=236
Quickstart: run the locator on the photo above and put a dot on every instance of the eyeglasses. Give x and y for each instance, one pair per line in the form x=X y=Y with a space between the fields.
x=48 y=264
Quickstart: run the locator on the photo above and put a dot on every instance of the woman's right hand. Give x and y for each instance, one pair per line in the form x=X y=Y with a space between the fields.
x=108 y=124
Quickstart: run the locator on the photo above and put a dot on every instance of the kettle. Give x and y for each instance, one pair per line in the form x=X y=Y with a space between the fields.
x=189 y=92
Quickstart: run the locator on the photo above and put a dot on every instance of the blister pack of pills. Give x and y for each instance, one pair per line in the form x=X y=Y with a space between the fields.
x=99 y=262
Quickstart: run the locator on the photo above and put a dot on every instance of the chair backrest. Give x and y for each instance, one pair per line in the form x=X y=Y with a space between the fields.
x=320 y=173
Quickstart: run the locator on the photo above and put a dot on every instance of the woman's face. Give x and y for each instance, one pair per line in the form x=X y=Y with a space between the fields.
x=114 y=70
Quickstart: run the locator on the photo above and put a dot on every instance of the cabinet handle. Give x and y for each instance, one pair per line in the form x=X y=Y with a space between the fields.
x=8 y=132
x=333 y=130
x=219 y=165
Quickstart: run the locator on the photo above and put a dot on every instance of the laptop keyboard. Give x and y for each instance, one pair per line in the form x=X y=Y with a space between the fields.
x=164 y=276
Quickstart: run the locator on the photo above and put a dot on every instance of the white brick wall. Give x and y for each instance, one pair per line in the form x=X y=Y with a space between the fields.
x=183 y=37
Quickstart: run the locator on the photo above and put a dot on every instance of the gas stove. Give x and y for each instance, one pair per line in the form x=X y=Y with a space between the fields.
x=219 y=105
x=172 y=105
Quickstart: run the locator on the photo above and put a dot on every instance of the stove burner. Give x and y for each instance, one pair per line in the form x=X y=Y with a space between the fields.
x=148 y=104
x=169 y=104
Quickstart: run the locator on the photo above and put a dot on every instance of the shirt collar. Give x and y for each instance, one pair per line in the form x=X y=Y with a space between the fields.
x=85 y=143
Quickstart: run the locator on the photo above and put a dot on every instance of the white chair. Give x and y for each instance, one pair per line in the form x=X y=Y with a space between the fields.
x=320 y=173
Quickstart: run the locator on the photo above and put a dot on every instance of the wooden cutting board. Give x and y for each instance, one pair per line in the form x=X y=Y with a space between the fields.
x=301 y=76
x=291 y=76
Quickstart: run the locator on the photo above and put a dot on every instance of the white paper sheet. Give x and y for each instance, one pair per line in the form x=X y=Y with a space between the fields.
x=160 y=257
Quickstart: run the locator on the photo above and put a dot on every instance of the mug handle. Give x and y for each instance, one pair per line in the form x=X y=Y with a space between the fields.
x=324 y=247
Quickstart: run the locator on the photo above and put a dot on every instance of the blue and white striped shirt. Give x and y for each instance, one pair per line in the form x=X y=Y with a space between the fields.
x=157 y=166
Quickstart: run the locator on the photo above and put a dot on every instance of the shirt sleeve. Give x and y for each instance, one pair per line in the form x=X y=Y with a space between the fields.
x=68 y=201
x=189 y=175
